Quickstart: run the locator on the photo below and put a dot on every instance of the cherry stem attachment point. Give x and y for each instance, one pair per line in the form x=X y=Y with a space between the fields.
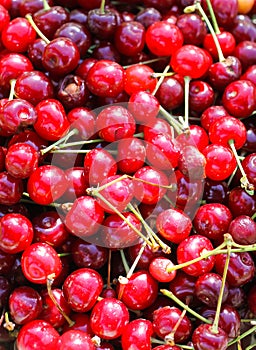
x=38 y=31
x=60 y=141
x=102 y=7
x=12 y=89
x=46 y=5
x=162 y=76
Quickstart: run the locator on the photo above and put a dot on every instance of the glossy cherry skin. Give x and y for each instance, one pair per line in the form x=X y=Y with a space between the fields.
x=16 y=233
x=18 y=34
x=50 y=312
x=201 y=96
x=46 y=184
x=146 y=257
x=227 y=43
x=220 y=162
x=74 y=340
x=191 y=248
x=114 y=123
x=21 y=160
x=105 y=78
x=239 y=98
x=249 y=167
x=212 y=220
x=11 y=189
x=158 y=269
x=204 y=338
x=129 y=38
x=197 y=137
x=82 y=288
x=77 y=184
x=108 y=318
x=137 y=335
x=242 y=229
x=165 y=319
x=139 y=77
x=170 y=93
x=131 y=155
x=241 y=268
x=147 y=193
x=140 y=291
x=190 y=60
x=35 y=53
x=4 y=17
x=25 y=304
x=240 y=202
x=163 y=38
x=39 y=261
x=49 y=228
x=173 y=225
x=211 y=115
x=225 y=14
x=84 y=217
x=143 y=106
x=103 y=25
x=245 y=51
x=183 y=286
x=52 y=122
x=192 y=27
x=86 y=254
x=81 y=322
x=148 y=16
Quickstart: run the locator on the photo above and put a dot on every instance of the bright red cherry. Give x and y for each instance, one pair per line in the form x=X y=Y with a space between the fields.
x=4 y=17
x=158 y=269
x=75 y=340
x=227 y=44
x=39 y=261
x=139 y=77
x=137 y=334
x=109 y=317
x=143 y=106
x=11 y=189
x=131 y=154
x=163 y=38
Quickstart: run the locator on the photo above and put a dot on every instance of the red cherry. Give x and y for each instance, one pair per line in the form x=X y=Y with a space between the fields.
x=137 y=334
x=131 y=155
x=39 y=261
x=38 y=333
x=204 y=338
x=163 y=38
x=139 y=77
x=75 y=339
x=4 y=17
x=82 y=288
x=108 y=318
x=129 y=38
x=143 y=106
x=11 y=189
x=158 y=269
x=227 y=44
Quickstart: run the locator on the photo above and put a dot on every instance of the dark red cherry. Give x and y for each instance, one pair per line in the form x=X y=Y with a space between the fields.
x=25 y=304
x=82 y=288
x=212 y=114
x=249 y=167
x=204 y=337
x=225 y=14
x=35 y=53
x=245 y=51
x=201 y=96
x=170 y=93
x=241 y=203
x=11 y=189
x=129 y=38
x=39 y=261
x=147 y=16
x=131 y=154
x=243 y=230
x=5 y=291
x=183 y=286
x=38 y=333
x=192 y=27
x=103 y=24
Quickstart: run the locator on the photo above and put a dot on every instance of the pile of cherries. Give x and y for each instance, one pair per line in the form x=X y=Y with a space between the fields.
x=127 y=174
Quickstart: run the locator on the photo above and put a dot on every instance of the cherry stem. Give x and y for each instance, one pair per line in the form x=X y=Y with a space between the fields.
x=8 y=324
x=135 y=263
x=112 y=207
x=170 y=295
x=50 y=280
x=61 y=140
x=198 y=7
x=254 y=216
x=12 y=89
x=169 y=338
x=156 y=241
x=172 y=121
x=242 y=336
x=213 y=17
x=224 y=277
x=145 y=62
x=79 y=143
x=124 y=261
x=244 y=180
x=38 y=31
x=162 y=76
x=186 y=96
x=102 y=7
x=46 y=5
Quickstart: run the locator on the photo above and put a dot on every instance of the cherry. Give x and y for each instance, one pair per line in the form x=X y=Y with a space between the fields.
x=192 y=247
x=241 y=268
x=236 y=297
x=77 y=184
x=204 y=337
x=35 y=53
x=79 y=35
x=211 y=115
x=11 y=189
x=39 y=261
x=163 y=38
x=140 y=291
x=201 y=96
x=84 y=67
x=192 y=163
x=148 y=16
x=32 y=6
x=4 y=17
x=166 y=318
x=103 y=23
x=227 y=43
x=220 y=162
x=249 y=167
x=38 y=333
x=212 y=220
x=129 y=38
x=74 y=340
x=106 y=51
x=143 y=190
x=21 y=160
x=46 y=184
x=157 y=269
x=105 y=78
x=25 y=304
x=207 y=289
x=242 y=229
x=146 y=257
x=82 y=288
x=156 y=127
x=117 y=233
x=131 y=154
x=170 y=93
x=243 y=30
x=83 y=120
x=108 y=318
x=225 y=15
x=192 y=27
x=197 y=136
x=190 y=60
x=139 y=77
x=99 y=164
x=49 y=228
x=143 y=106
x=50 y=312
x=16 y=233
x=81 y=322
x=137 y=334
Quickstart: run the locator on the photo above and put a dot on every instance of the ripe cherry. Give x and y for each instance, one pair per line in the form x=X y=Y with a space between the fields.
x=139 y=77
x=227 y=43
x=131 y=154
x=11 y=189
x=137 y=333
x=242 y=229
x=143 y=106
x=192 y=27
x=158 y=269
x=129 y=38
x=204 y=337
x=75 y=339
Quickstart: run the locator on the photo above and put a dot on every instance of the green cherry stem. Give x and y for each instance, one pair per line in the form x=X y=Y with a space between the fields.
x=60 y=141
x=146 y=62
x=46 y=5
x=170 y=295
x=135 y=263
x=213 y=17
x=162 y=76
x=178 y=127
x=38 y=31
x=242 y=336
x=224 y=277
x=124 y=261
x=186 y=96
x=12 y=89
x=102 y=7
x=79 y=143
x=254 y=216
